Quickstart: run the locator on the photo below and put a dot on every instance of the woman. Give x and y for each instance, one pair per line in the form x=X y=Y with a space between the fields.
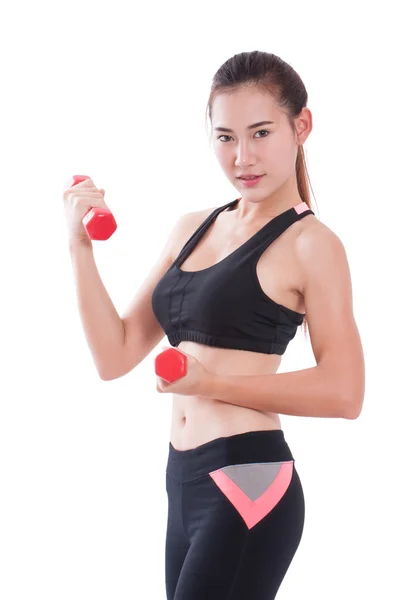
x=231 y=287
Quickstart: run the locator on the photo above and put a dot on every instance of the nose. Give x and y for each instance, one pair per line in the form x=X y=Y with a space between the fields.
x=245 y=157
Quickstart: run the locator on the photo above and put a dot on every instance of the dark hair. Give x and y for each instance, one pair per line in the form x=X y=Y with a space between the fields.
x=269 y=73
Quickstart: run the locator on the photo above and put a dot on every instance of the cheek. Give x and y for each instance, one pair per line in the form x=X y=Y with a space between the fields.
x=224 y=157
x=279 y=158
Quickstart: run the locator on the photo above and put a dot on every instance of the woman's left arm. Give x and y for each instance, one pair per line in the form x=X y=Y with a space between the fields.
x=335 y=387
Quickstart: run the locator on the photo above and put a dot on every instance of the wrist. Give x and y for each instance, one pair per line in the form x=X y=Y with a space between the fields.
x=76 y=245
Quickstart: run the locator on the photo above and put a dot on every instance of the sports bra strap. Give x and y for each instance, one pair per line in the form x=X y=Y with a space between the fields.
x=185 y=251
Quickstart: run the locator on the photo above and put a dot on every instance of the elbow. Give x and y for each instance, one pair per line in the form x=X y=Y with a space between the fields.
x=119 y=371
x=350 y=414
x=349 y=393
x=111 y=376
x=353 y=388
x=352 y=406
x=353 y=413
x=106 y=376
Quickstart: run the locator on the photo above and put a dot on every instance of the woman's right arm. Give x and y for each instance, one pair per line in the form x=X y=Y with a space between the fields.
x=102 y=325
x=118 y=344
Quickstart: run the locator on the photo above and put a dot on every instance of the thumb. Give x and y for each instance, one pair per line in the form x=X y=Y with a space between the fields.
x=102 y=192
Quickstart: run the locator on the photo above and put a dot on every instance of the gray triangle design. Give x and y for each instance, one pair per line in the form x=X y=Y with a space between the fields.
x=253 y=478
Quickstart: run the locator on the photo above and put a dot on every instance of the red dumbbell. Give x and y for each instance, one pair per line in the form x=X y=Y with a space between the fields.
x=171 y=365
x=98 y=222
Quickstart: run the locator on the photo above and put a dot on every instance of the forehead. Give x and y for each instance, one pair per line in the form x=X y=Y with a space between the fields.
x=243 y=107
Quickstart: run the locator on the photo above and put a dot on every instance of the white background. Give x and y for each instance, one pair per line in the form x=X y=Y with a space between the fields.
x=118 y=91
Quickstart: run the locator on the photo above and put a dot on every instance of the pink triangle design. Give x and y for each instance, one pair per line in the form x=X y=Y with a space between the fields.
x=253 y=511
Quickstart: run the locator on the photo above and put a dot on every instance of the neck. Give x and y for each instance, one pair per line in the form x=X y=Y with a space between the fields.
x=252 y=208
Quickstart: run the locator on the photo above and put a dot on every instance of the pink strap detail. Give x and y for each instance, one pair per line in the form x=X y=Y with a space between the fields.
x=299 y=208
x=253 y=511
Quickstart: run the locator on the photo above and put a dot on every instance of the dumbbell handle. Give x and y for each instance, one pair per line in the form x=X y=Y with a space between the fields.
x=98 y=222
x=171 y=365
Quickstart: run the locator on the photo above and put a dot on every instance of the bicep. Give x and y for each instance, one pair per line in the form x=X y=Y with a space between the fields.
x=327 y=292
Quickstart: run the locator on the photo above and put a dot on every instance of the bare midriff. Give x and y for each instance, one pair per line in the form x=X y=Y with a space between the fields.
x=197 y=419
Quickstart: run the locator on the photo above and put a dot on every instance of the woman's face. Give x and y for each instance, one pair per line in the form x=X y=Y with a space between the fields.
x=269 y=150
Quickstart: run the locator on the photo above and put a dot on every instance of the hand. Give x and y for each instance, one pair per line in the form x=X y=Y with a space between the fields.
x=197 y=381
x=78 y=200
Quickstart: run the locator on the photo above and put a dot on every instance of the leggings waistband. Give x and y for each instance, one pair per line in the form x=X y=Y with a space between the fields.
x=242 y=448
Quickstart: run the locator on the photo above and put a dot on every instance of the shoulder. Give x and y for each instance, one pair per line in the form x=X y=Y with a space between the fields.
x=187 y=225
x=192 y=220
x=317 y=249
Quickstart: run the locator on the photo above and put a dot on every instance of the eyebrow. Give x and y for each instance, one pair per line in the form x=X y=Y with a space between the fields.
x=248 y=127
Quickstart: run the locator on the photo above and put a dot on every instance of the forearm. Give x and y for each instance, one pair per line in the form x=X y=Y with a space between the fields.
x=102 y=325
x=305 y=393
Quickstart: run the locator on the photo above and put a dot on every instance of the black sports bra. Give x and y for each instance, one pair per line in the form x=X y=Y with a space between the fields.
x=224 y=305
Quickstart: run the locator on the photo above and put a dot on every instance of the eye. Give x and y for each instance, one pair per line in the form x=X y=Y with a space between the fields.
x=259 y=131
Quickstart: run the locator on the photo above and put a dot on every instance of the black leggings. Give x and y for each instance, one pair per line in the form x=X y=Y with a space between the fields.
x=235 y=517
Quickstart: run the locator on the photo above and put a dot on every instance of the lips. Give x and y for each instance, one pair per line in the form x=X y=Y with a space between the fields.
x=250 y=182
